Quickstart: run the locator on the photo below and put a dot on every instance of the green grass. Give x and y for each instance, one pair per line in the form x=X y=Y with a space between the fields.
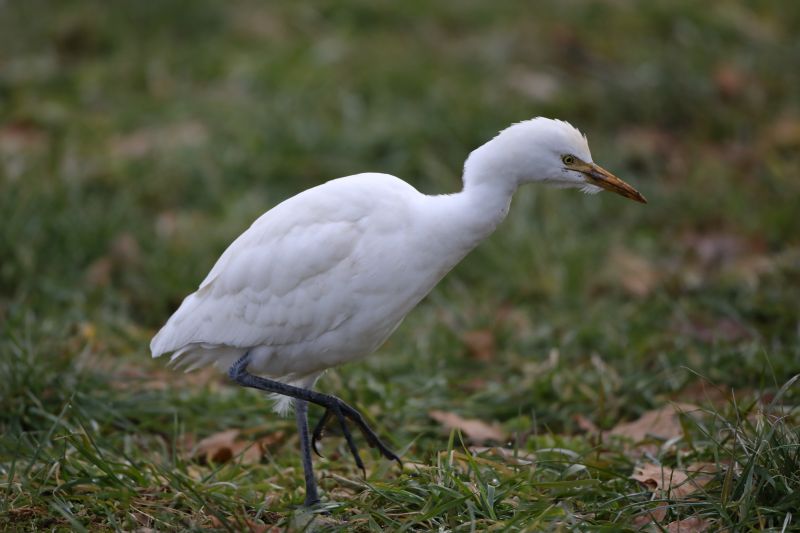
x=137 y=139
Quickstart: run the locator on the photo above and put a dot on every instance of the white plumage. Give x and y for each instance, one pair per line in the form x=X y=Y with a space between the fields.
x=326 y=276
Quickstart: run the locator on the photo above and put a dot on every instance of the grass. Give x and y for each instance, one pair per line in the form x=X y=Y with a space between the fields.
x=137 y=140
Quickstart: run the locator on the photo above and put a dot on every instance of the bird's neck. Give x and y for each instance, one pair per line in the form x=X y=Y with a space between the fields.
x=485 y=205
x=467 y=217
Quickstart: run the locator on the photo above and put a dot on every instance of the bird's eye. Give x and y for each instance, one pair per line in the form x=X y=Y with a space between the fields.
x=568 y=159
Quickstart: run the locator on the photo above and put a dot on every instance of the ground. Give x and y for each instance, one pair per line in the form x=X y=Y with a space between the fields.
x=571 y=373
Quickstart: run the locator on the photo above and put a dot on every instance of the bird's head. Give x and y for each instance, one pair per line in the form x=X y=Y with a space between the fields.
x=547 y=151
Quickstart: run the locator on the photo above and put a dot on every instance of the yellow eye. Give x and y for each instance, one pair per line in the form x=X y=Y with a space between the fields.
x=568 y=159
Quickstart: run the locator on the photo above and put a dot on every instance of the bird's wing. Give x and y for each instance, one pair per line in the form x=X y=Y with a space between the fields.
x=281 y=282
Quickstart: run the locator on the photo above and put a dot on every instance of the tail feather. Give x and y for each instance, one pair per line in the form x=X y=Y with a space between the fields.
x=178 y=333
x=198 y=355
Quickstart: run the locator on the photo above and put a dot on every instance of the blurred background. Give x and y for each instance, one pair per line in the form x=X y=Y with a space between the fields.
x=137 y=139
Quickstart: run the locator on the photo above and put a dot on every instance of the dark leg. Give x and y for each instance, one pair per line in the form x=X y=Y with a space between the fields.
x=301 y=414
x=338 y=408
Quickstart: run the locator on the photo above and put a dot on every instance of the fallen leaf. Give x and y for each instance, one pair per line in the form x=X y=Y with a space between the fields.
x=785 y=132
x=721 y=255
x=660 y=423
x=674 y=483
x=475 y=430
x=707 y=330
x=252 y=527
x=17 y=137
x=135 y=377
x=219 y=447
x=695 y=524
x=226 y=445
x=729 y=80
x=474 y=385
x=656 y=514
x=585 y=424
x=98 y=274
x=123 y=252
x=716 y=248
x=125 y=249
x=634 y=273
x=480 y=343
x=701 y=390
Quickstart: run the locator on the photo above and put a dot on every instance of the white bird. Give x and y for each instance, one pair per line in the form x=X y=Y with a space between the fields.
x=326 y=276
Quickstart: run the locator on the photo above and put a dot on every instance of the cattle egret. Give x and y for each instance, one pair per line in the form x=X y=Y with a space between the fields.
x=326 y=276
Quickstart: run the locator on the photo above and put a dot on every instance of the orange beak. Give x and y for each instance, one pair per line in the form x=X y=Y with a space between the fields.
x=597 y=175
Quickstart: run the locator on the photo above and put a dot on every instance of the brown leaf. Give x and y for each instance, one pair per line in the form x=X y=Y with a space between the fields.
x=474 y=384
x=252 y=527
x=226 y=445
x=135 y=377
x=585 y=424
x=721 y=254
x=99 y=272
x=660 y=423
x=716 y=329
x=480 y=343
x=656 y=477
x=632 y=272
x=20 y=137
x=475 y=430
x=125 y=249
x=717 y=248
x=122 y=252
x=218 y=448
x=729 y=80
x=701 y=390
x=695 y=524
x=670 y=483
x=656 y=514
x=785 y=133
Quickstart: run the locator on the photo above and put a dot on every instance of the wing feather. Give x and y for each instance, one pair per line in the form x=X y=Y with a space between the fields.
x=276 y=283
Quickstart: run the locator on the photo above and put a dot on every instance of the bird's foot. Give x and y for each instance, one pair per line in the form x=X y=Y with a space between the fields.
x=319 y=430
x=344 y=412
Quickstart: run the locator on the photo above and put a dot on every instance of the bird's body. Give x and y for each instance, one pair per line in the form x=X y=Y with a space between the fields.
x=326 y=276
